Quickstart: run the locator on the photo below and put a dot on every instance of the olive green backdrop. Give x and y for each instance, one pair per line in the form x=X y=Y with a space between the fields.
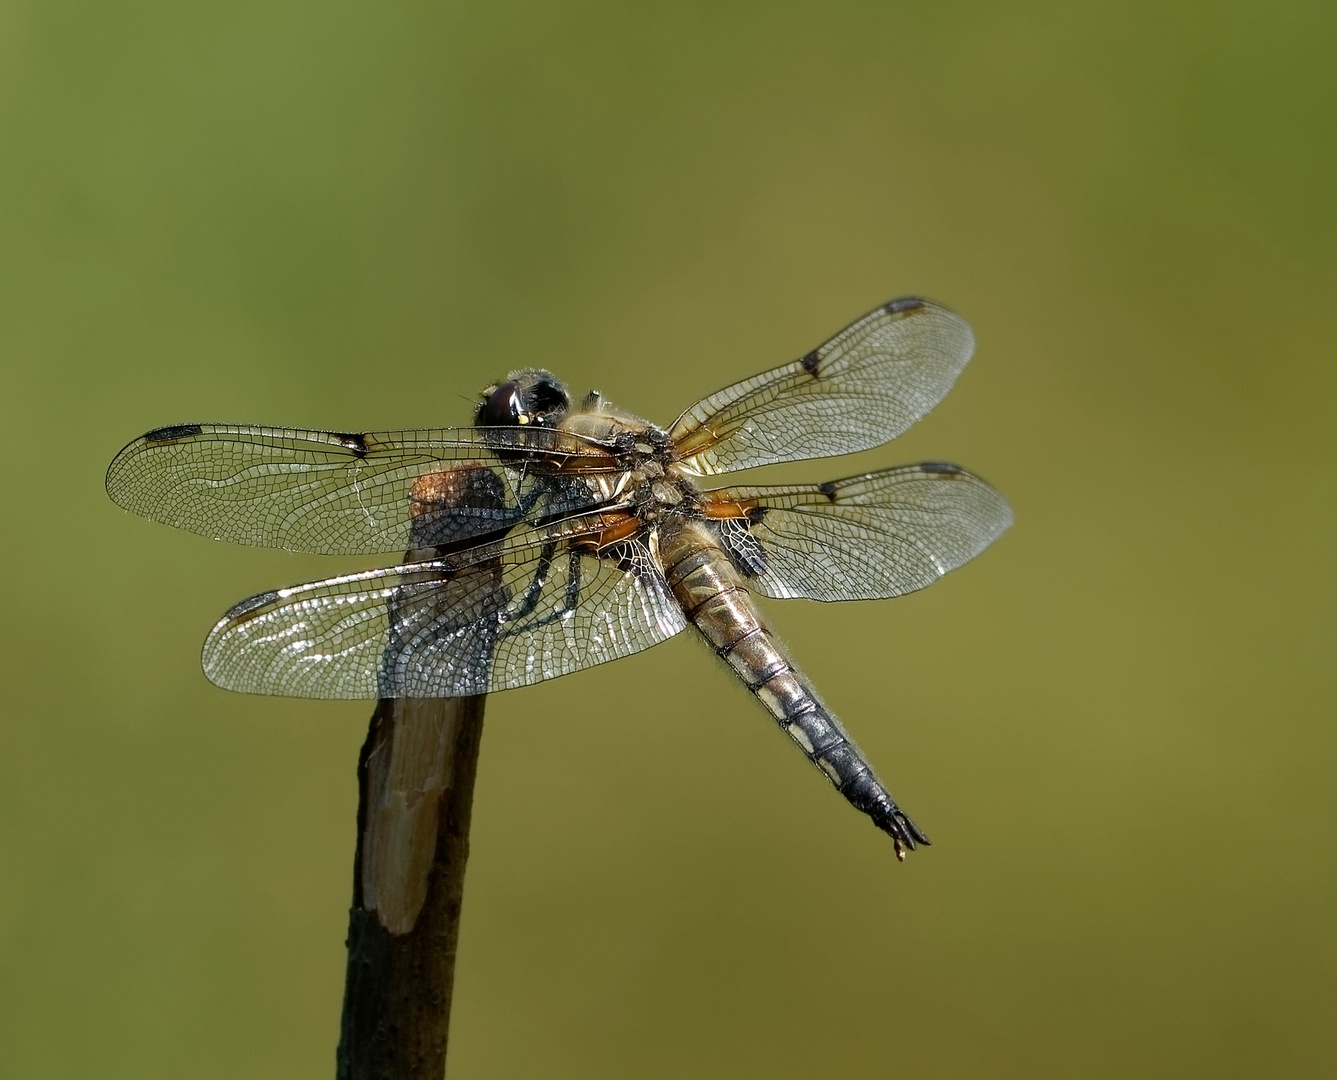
x=1117 y=724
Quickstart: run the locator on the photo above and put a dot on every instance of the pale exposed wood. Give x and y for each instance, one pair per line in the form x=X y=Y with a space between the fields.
x=406 y=776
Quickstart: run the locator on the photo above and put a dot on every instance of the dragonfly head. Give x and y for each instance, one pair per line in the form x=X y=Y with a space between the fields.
x=532 y=396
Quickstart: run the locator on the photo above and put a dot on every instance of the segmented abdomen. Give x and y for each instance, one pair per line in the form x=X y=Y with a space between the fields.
x=715 y=597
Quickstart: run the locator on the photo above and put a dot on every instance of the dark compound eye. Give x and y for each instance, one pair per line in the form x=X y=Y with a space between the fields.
x=502 y=406
x=528 y=397
x=547 y=396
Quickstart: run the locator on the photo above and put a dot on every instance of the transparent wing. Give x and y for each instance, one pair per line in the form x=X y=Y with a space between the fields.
x=498 y=616
x=342 y=493
x=867 y=537
x=862 y=388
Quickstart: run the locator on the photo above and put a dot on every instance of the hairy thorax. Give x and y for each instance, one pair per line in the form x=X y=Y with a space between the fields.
x=654 y=484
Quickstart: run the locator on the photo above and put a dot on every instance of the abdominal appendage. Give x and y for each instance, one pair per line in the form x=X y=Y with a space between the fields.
x=714 y=597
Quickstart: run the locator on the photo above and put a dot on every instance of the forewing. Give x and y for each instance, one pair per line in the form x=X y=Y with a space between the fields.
x=343 y=493
x=862 y=388
x=867 y=537
x=504 y=615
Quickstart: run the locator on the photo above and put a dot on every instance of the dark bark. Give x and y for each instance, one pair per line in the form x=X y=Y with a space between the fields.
x=397 y=998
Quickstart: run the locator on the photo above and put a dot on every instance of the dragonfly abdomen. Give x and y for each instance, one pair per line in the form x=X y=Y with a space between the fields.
x=715 y=597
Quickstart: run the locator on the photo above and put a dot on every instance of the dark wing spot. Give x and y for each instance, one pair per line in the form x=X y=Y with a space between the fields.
x=940 y=467
x=828 y=489
x=622 y=555
x=905 y=303
x=810 y=362
x=173 y=431
x=353 y=441
x=757 y=514
x=745 y=551
x=250 y=604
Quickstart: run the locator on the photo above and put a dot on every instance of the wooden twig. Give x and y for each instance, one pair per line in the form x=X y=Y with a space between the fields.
x=415 y=797
x=415 y=792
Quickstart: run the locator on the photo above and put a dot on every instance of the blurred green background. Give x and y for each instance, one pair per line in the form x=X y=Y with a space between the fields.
x=1117 y=724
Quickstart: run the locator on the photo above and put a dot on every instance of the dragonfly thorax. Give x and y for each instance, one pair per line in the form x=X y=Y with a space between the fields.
x=659 y=489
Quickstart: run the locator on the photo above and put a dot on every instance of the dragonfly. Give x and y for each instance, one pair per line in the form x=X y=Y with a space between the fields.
x=551 y=535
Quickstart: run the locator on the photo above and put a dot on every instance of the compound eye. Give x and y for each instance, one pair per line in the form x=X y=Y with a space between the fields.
x=502 y=407
x=547 y=397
